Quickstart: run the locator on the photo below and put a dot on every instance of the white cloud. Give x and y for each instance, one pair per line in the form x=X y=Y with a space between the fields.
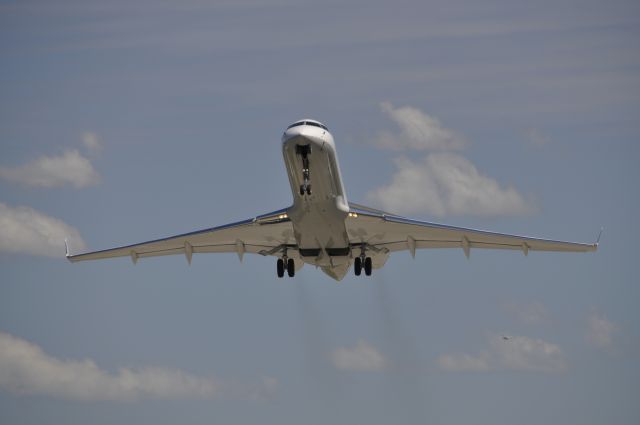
x=441 y=183
x=361 y=357
x=447 y=184
x=516 y=353
x=27 y=231
x=91 y=142
x=600 y=331
x=523 y=353
x=532 y=313
x=26 y=369
x=54 y=171
x=418 y=131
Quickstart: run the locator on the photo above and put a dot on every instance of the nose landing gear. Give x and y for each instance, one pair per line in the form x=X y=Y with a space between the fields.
x=304 y=151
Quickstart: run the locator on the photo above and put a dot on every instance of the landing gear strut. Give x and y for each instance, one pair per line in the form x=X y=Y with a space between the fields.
x=304 y=151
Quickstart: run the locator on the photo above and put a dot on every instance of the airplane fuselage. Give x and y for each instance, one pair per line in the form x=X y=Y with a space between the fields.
x=320 y=205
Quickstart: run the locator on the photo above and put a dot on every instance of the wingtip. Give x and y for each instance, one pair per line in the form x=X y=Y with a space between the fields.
x=599 y=235
x=67 y=254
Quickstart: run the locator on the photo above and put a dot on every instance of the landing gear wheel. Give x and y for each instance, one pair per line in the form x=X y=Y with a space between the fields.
x=309 y=190
x=302 y=190
x=291 y=268
x=357 y=266
x=367 y=266
x=280 y=267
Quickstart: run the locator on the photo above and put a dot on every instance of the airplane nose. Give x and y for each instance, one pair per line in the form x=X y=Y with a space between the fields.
x=301 y=136
x=300 y=130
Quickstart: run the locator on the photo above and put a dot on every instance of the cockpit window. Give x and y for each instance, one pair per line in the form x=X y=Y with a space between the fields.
x=295 y=124
x=315 y=124
x=311 y=123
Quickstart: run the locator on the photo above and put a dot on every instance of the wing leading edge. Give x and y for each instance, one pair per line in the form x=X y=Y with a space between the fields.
x=263 y=234
x=389 y=232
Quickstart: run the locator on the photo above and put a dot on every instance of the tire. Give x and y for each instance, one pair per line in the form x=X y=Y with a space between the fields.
x=280 y=267
x=309 y=190
x=367 y=266
x=357 y=266
x=301 y=190
x=291 y=267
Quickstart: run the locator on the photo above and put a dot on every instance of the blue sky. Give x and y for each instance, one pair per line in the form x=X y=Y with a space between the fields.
x=126 y=121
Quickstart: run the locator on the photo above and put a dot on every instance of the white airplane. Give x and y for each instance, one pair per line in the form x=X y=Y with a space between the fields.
x=322 y=228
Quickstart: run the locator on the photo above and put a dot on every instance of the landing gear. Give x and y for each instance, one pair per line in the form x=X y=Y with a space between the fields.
x=362 y=261
x=291 y=268
x=367 y=266
x=304 y=151
x=304 y=189
x=287 y=264
x=280 y=267
x=357 y=266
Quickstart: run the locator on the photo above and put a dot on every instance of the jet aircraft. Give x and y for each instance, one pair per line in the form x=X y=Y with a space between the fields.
x=322 y=228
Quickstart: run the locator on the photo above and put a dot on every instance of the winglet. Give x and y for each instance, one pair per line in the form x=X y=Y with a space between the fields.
x=66 y=248
x=599 y=235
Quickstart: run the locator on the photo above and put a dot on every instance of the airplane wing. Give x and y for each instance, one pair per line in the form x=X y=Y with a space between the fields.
x=385 y=233
x=266 y=234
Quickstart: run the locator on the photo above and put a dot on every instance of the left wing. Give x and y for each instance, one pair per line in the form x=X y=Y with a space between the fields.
x=266 y=234
x=384 y=232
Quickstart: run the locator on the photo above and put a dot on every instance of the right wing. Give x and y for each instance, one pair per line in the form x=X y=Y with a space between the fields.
x=266 y=234
x=387 y=233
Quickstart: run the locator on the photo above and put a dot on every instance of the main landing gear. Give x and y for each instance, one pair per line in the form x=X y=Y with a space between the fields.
x=304 y=151
x=287 y=264
x=362 y=261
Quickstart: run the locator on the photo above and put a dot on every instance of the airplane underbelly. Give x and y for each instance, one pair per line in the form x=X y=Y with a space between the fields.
x=318 y=217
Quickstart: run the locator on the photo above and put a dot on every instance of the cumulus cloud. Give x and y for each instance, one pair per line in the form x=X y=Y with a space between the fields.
x=361 y=357
x=26 y=369
x=442 y=183
x=600 y=331
x=91 y=142
x=27 y=231
x=523 y=353
x=517 y=353
x=418 y=131
x=447 y=184
x=70 y=168
x=533 y=313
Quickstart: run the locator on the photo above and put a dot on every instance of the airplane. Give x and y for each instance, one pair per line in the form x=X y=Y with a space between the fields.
x=322 y=228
